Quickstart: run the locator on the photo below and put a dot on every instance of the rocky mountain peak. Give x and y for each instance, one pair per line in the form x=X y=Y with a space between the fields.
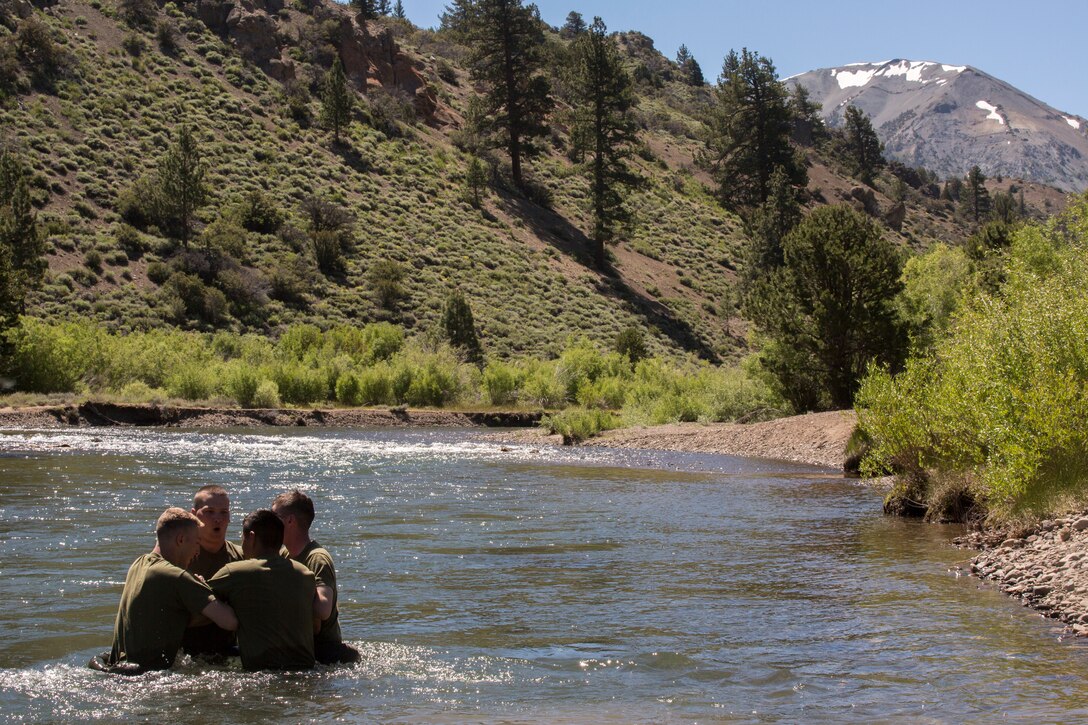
x=949 y=118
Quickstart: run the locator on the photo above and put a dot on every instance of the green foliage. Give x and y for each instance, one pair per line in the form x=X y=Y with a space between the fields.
x=828 y=311
x=192 y=381
x=182 y=189
x=748 y=131
x=933 y=285
x=603 y=97
x=578 y=425
x=386 y=279
x=631 y=342
x=769 y=224
x=49 y=358
x=460 y=329
x=242 y=382
x=476 y=179
x=506 y=42
x=139 y=13
x=337 y=100
x=1003 y=395
x=860 y=147
x=975 y=198
x=22 y=247
x=501 y=382
x=258 y=212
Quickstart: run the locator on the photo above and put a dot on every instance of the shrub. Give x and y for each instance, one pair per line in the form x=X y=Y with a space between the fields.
x=347 y=389
x=376 y=386
x=328 y=254
x=267 y=395
x=578 y=425
x=139 y=13
x=49 y=358
x=542 y=388
x=93 y=260
x=257 y=212
x=390 y=111
x=158 y=272
x=500 y=383
x=129 y=240
x=134 y=44
x=241 y=383
x=631 y=342
x=383 y=341
x=167 y=35
x=607 y=393
x=386 y=277
x=192 y=382
x=299 y=385
x=434 y=384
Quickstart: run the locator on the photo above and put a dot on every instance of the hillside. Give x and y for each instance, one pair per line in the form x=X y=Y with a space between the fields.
x=949 y=118
x=243 y=76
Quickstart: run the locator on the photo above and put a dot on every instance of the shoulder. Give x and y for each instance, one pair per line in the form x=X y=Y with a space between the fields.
x=317 y=554
x=234 y=552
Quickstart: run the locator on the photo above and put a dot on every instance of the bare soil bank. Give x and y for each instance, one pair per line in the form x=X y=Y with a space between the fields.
x=818 y=439
x=1046 y=568
x=115 y=414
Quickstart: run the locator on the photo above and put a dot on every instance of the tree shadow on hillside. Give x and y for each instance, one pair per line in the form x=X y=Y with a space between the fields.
x=352 y=158
x=557 y=231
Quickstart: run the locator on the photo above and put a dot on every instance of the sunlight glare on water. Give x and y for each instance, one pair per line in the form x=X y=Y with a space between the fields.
x=515 y=583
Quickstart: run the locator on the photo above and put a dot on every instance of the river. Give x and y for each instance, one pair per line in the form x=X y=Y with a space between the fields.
x=523 y=584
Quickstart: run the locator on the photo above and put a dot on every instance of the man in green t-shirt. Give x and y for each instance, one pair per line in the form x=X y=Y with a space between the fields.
x=212 y=506
x=296 y=510
x=272 y=596
x=161 y=599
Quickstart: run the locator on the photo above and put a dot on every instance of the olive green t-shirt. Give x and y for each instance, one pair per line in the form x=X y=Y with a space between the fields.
x=210 y=638
x=156 y=605
x=318 y=560
x=274 y=601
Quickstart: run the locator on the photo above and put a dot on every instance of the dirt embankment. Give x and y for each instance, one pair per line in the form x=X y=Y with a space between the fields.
x=1046 y=568
x=818 y=439
x=115 y=414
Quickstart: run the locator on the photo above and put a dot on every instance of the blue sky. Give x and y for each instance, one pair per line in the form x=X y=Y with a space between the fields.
x=1036 y=46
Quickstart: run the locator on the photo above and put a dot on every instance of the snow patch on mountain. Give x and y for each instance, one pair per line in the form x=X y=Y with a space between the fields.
x=994 y=115
x=853 y=79
x=953 y=68
x=1072 y=122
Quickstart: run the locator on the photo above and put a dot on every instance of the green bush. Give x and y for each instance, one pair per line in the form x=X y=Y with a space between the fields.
x=376 y=386
x=192 y=382
x=267 y=395
x=299 y=385
x=434 y=384
x=1003 y=395
x=241 y=383
x=50 y=358
x=348 y=389
x=607 y=393
x=500 y=383
x=383 y=341
x=577 y=425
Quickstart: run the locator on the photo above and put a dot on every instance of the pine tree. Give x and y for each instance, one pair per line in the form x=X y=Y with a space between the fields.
x=603 y=101
x=809 y=128
x=383 y=8
x=690 y=71
x=828 y=311
x=368 y=9
x=769 y=225
x=182 y=189
x=398 y=11
x=475 y=180
x=862 y=147
x=974 y=197
x=507 y=58
x=337 y=100
x=22 y=248
x=574 y=26
x=457 y=17
x=460 y=328
x=748 y=134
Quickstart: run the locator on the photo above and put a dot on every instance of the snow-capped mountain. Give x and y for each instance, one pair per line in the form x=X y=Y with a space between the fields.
x=949 y=118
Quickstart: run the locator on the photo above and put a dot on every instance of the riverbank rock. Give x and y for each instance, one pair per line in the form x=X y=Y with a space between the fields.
x=1046 y=567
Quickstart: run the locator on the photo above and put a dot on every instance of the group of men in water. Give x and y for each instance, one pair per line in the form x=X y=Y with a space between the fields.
x=272 y=600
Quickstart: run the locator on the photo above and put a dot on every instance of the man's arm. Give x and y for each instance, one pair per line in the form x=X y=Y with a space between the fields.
x=222 y=614
x=323 y=600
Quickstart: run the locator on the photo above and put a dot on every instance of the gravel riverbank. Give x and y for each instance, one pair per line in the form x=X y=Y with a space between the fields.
x=1045 y=568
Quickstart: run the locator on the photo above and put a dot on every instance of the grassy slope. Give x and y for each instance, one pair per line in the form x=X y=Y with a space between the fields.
x=521 y=266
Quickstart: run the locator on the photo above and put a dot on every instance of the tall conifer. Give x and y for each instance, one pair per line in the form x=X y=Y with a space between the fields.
x=603 y=102
x=749 y=130
x=337 y=100
x=507 y=58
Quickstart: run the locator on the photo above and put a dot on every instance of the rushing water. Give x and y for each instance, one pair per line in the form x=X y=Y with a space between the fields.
x=486 y=583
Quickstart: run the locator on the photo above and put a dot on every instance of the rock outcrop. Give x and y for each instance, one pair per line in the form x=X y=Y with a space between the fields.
x=260 y=30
